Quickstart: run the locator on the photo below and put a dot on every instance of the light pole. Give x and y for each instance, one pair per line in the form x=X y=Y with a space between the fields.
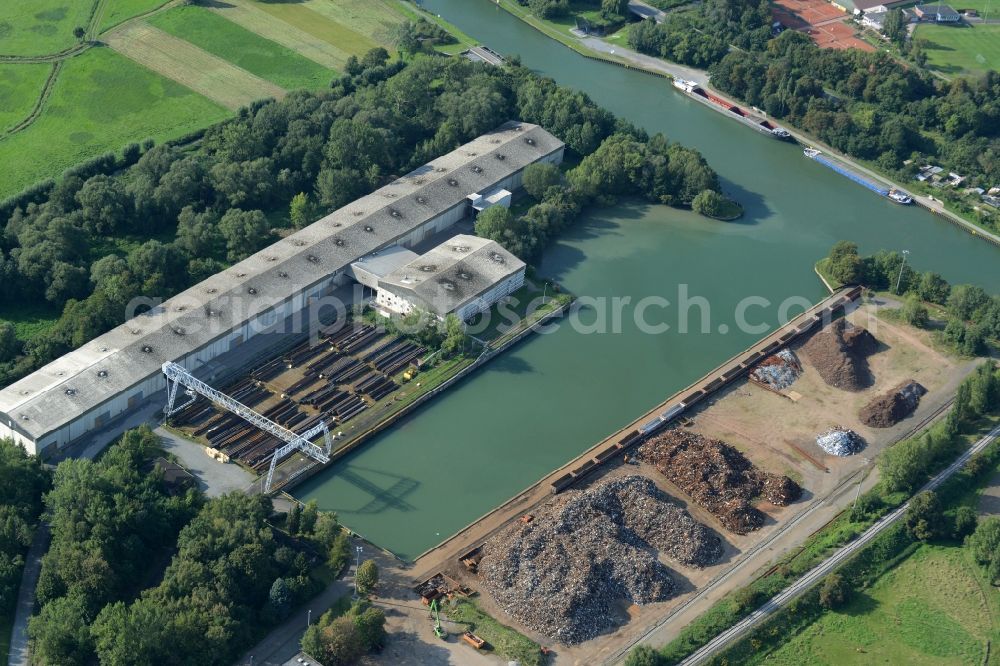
x=309 y=614
x=901 y=266
x=357 y=565
x=544 y=292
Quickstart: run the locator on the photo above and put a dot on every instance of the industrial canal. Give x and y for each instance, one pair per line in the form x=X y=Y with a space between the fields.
x=537 y=406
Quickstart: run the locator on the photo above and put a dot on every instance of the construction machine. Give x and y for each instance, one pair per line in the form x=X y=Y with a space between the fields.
x=438 y=629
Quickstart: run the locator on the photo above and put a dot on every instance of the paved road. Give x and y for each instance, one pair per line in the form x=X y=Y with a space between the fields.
x=19 y=655
x=777 y=602
x=645 y=11
x=646 y=62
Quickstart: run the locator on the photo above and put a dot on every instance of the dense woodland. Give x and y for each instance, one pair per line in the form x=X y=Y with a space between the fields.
x=867 y=105
x=140 y=572
x=156 y=219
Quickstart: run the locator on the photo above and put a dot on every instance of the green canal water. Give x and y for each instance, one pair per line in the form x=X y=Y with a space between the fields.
x=557 y=394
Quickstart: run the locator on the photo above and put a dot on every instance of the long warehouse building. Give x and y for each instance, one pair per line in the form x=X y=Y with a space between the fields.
x=93 y=388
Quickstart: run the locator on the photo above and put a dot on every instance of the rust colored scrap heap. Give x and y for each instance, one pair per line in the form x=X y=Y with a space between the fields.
x=718 y=477
x=840 y=353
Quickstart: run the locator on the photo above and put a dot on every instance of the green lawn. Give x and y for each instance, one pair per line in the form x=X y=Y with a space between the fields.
x=962 y=49
x=931 y=609
x=20 y=86
x=117 y=11
x=243 y=48
x=38 y=27
x=100 y=102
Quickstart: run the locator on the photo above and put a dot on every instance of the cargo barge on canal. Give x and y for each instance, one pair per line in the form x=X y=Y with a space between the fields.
x=695 y=91
x=894 y=195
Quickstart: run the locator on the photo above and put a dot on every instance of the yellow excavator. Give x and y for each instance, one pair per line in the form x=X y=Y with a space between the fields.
x=438 y=629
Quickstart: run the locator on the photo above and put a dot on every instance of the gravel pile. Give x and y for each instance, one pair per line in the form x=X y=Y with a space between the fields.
x=840 y=352
x=718 y=477
x=779 y=371
x=839 y=441
x=586 y=551
x=890 y=408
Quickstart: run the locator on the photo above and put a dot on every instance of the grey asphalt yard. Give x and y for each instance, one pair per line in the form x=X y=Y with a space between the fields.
x=214 y=478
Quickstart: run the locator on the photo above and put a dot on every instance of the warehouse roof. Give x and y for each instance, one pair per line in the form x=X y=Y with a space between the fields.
x=452 y=274
x=84 y=379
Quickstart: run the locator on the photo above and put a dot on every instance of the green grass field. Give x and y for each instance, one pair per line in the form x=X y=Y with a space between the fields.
x=931 y=609
x=962 y=50
x=121 y=10
x=38 y=27
x=100 y=102
x=20 y=86
x=980 y=6
x=243 y=48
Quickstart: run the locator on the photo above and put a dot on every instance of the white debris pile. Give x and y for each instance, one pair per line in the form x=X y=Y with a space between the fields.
x=779 y=371
x=839 y=441
x=562 y=573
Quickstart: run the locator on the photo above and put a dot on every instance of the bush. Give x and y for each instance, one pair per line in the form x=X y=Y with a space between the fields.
x=366 y=577
x=710 y=204
x=835 y=592
x=924 y=518
x=538 y=178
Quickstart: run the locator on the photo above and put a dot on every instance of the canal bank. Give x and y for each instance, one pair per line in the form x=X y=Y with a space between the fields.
x=597 y=49
x=556 y=394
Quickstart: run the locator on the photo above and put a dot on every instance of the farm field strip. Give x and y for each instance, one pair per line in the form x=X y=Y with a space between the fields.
x=319 y=25
x=250 y=17
x=195 y=68
x=246 y=49
x=100 y=101
x=372 y=18
x=119 y=11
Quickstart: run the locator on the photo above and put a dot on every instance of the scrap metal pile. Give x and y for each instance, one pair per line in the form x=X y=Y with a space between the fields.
x=840 y=353
x=718 y=477
x=778 y=371
x=890 y=408
x=562 y=573
x=839 y=441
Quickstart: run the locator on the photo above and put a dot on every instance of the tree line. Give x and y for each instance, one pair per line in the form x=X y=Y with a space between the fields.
x=627 y=163
x=973 y=314
x=865 y=104
x=139 y=572
x=23 y=480
x=157 y=219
